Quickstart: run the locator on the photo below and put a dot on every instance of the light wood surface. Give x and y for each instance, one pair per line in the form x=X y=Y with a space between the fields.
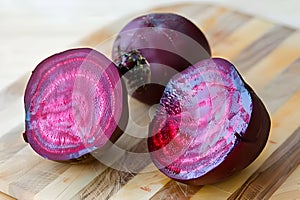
x=266 y=54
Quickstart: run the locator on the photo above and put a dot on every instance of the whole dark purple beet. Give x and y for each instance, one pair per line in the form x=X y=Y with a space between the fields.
x=210 y=124
x=75 y=103
x=152 y=48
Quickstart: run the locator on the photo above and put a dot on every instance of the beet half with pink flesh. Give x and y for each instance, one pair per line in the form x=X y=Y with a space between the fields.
x=75 y=104
x=210 y=124
x=150 y=49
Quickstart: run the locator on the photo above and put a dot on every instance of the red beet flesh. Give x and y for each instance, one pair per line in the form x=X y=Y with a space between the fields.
x=152 y=48
x=74 y=102
x=209 y=124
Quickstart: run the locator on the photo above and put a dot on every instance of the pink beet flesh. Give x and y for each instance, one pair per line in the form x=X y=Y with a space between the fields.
x=73 y=103
x=204 y=112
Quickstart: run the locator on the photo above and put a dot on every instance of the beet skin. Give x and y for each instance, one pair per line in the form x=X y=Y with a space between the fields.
x=210 y=124
x=150 y=49
x=75 y=103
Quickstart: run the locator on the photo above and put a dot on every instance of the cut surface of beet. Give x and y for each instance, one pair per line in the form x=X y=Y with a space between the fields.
x=204 y=115
x=161 y=44
x=73 y=103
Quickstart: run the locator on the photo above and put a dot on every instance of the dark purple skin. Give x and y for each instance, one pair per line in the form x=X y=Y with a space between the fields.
x=210 y=124
x=75 y=104
x=150 y=49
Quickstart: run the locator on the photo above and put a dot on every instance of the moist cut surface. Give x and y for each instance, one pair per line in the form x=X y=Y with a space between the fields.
x=203 y=114
x=72 y=101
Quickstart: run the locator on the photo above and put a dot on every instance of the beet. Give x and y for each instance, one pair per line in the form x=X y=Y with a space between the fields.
x=210 y=124
x=75 y=103
x=150 y=49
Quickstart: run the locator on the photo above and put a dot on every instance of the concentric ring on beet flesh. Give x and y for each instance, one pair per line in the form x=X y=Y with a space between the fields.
x=73 y=103
x=201 y=112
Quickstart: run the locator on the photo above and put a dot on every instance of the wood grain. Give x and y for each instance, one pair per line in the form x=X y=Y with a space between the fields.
x=225 y=25
x=276 y=91
x=273 y=64
x=116 y=175
x=290 y=188
x=259 y=49
x=5 y=196
x=231 y=46
x=175 y=190
x=273 y=172
x=267 y=55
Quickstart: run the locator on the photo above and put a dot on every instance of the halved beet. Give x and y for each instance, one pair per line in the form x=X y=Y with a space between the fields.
x=210 y=124
x=150 y=49
x=75 y=103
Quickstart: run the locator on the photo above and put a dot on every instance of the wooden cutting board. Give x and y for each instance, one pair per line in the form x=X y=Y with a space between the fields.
x=266 y=54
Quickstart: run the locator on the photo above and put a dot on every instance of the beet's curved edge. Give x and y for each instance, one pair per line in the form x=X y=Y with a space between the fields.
x=247 y=146
x=146 y=35
x=246 y=151
x=82 y=55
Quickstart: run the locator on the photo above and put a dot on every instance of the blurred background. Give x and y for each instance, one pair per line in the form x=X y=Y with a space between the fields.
x=32 y=30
